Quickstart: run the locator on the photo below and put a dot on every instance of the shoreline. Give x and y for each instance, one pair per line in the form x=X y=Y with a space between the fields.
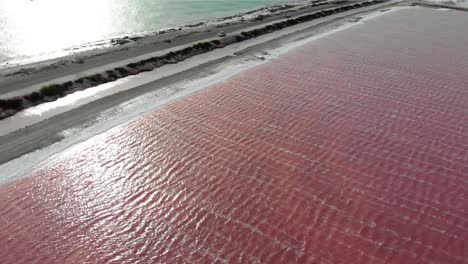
x=12 y=103
x=135 y=45
x=41 y=135
x=349 y=130
x=15 y=79
x=10 y=68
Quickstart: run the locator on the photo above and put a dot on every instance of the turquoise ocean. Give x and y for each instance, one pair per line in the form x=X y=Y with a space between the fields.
x=33 y=28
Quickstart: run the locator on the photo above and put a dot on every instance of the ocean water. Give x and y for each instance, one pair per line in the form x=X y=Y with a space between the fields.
x=30 y=28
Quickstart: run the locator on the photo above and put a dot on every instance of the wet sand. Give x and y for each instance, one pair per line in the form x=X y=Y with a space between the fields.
x=331 y=153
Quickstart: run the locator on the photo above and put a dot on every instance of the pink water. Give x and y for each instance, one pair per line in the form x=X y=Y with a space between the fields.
x=350 y=149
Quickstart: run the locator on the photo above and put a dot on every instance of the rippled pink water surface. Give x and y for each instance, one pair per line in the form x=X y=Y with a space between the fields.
x=350 y=149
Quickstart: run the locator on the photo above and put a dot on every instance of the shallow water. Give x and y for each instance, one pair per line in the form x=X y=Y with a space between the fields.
x=352 y=147
x=36 y=27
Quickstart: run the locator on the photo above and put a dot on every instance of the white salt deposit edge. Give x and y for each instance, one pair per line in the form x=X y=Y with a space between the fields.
x=111 y=118
x=134 y=108
x=363 y=19
x=37 y=114
x=459 y=3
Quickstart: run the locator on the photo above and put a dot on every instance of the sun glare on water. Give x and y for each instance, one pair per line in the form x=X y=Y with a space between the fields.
x=35 y=30
x=38 y=26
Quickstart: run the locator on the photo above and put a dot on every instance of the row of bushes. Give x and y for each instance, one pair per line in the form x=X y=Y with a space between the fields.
x=54 y=91
x=13 y=103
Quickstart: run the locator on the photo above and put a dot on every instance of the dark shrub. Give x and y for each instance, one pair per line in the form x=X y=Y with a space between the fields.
x=141 y=63
x=34 y=97
x=216 y=42
x=261 y=31
x=97 y=78
x=122 y=71
x=186 y=51
x=170 y=55
x=289 y=22
x=14 y=103
x=178 y=53
x=207 y=45
x=239 y=38
x=80 y=81
x=112 y=75
x=160 y=62
x=100 y=78
x=132 y=65
x=279 y=25
x=203 y=46
x=144 y=63
x=169 y=61
x=154 y=59
x=145 y=69
x=256 y=32
x=179 y=57
x=245 y=34
x=52 y=90
x=275 y=26
x=67 y=85
x=270 y=28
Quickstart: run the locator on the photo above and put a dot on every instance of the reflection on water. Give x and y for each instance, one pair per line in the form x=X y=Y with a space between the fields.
x=34 y=27
x=41 y=26
x=327 y=154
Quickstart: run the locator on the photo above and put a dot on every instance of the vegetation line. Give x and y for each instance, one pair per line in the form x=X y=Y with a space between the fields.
x=53 y=92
